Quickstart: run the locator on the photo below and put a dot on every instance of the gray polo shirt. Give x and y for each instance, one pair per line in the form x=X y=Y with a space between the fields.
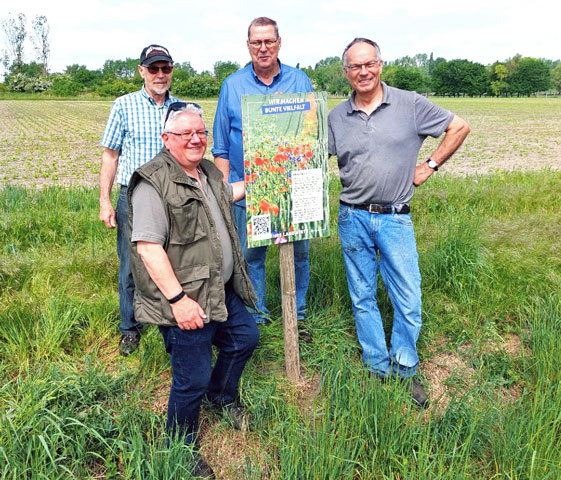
x=377 y=153
x=150 y=220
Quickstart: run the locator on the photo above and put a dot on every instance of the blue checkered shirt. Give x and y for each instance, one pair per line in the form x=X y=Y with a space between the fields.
x=134 y=128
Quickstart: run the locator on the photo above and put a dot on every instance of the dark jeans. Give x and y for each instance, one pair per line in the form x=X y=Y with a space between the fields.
x=193 y=374
x=126 y=283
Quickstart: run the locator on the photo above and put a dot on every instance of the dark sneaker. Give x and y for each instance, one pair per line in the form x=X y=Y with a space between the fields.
x=129 y=343
x=418 y=393
x=304 y=333
x=238 y=415
x=201 y=468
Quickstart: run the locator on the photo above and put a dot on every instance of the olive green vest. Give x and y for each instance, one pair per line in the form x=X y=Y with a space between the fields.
x=193 y=246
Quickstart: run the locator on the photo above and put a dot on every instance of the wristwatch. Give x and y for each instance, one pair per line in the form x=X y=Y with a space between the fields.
x=432 y=164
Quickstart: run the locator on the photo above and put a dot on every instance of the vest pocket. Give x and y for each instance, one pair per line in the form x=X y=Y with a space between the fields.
x=185 y=225
x=194 y=280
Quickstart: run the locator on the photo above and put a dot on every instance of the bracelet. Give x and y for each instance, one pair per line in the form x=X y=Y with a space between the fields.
x=178 y=297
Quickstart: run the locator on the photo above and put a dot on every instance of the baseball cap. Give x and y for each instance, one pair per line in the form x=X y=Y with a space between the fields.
x=155 y=53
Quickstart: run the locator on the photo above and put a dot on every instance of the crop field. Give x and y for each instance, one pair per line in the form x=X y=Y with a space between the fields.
x=488 y=232
x=57 y=142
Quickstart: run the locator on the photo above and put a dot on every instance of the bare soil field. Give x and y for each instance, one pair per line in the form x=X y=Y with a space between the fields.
x=57 y=142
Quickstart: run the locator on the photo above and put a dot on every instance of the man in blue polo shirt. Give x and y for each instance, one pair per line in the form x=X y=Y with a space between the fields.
x=132 y=137
x=377 y=135
x=264 y=75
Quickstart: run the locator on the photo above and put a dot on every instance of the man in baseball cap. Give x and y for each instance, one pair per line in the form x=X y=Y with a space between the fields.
x=132 y=137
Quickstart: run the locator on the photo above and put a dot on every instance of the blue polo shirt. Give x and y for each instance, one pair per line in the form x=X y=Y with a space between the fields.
x=227 y=129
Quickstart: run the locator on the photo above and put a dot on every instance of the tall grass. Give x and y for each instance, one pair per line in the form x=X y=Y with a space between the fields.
x=70 y=407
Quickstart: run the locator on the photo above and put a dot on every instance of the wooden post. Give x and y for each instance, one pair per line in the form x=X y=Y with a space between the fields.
x=288 y=289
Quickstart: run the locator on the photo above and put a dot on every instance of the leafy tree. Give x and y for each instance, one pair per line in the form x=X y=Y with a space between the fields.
x=15 y=33
x=409 y=78
x=556 y=78
x=41 y=43
x=88 y=79
x=202 y=86
x=460 y=77
x=223 y=69
x=64 y=86
x=388 y=73
x=328 y=61
x=116 y=88
x=329 y=76
x=498 y=74
x=120 y=69
x=32 y=69
x=530 y=76
x=183 y=71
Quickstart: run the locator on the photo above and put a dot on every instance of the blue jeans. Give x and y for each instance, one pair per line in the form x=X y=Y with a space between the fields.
x=193 y=375
x=255 y=258
x=384 y=242
x=126 y=282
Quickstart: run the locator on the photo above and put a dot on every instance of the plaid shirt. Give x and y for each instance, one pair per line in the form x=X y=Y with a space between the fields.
x=134 y=128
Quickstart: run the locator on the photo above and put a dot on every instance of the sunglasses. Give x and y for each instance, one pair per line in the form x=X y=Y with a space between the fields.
x=179 y=106
x=153 y=69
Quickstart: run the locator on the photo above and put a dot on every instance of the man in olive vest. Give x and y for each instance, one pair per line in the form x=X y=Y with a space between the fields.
x=190 y=274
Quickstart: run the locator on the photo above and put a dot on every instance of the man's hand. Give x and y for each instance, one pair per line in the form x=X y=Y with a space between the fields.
x=188 y=314
x=422 y=174
x=109 y=162
x=454 y=136
x=107 y=214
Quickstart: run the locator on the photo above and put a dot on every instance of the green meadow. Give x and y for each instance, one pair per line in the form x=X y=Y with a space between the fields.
x=488 y=227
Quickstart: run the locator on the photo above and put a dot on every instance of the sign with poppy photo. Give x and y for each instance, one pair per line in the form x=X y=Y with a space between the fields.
x=286 y=167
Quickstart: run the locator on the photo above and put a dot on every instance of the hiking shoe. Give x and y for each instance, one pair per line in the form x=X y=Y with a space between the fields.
x=418 y=393
x=201 y=469
x=303 y=333
x=129 y=343
x=238 y=415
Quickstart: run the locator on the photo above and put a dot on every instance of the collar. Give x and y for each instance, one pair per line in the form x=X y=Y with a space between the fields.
x=147 y=96
x=178 y=175
x=275 y=78
x=386 y=98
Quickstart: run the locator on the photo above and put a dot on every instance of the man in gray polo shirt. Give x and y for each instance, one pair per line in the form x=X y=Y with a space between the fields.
x=377 y=135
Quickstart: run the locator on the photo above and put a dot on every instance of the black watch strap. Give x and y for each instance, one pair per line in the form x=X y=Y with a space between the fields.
x=178 y=297
x=432 y=164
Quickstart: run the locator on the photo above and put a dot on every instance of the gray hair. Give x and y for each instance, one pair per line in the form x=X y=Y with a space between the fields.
x=180 y=108
x=263 y=22
x=360 y=40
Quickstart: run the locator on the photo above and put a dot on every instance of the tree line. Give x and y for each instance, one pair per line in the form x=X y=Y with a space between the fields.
x=516 y=76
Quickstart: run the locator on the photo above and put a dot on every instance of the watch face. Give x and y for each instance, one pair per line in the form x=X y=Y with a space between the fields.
x=432 y=164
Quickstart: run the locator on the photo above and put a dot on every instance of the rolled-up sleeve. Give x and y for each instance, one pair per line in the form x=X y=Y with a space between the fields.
x=221 y=127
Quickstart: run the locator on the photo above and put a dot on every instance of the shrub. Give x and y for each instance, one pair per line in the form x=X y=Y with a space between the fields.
x=64 y=86
x=117 y=88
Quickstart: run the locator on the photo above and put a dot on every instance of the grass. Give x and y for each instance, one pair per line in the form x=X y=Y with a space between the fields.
x=70 y=407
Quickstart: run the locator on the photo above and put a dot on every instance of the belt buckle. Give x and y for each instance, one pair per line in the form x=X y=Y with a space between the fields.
x=374 y=208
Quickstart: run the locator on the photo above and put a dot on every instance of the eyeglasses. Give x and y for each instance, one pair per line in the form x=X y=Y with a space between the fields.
x=178 y=107
x=187 y=136
x=357 y=67
x=257 y=43
x=153 y=69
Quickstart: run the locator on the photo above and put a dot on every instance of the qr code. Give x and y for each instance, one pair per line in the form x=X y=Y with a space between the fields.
x=261 y=227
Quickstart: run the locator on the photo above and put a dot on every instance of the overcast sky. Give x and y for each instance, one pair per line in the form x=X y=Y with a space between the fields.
x=90 y=32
